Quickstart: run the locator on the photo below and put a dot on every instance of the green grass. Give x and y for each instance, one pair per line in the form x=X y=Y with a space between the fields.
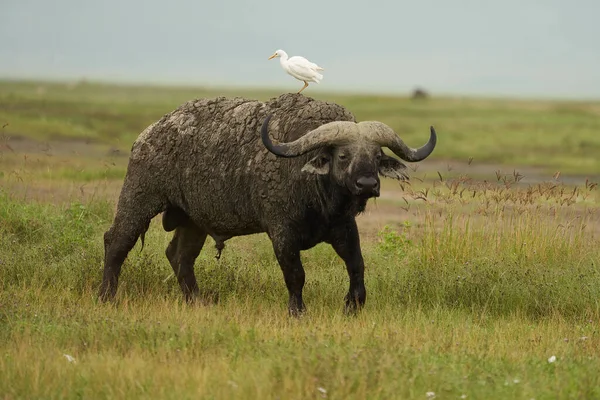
x=464 y=298
x=549 y=134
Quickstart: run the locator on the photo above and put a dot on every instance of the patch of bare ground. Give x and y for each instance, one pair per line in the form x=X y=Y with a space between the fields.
x=64 y=192
x=60 y=147
x=488 y=171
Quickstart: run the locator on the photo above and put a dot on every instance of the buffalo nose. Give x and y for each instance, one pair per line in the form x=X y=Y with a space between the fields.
x=367 y=184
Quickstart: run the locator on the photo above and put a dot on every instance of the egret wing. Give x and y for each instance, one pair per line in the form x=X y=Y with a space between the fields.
x=304 y=61
x=315 y=66
x=301 y=66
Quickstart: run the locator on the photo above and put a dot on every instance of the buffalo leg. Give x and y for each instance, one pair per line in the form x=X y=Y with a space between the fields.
x=288 y=257
x=346 y=242
x=182 y=253
x=132 y=219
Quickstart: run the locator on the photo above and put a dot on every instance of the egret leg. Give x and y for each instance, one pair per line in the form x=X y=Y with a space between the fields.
x=304 y=87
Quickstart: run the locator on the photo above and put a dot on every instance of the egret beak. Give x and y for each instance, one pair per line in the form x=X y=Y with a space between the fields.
x=274 y=55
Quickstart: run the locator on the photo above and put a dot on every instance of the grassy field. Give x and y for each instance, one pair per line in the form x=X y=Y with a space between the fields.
x=480 y=285
x=551 y=135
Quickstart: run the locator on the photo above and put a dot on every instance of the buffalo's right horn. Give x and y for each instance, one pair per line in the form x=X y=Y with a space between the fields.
x=332 y=133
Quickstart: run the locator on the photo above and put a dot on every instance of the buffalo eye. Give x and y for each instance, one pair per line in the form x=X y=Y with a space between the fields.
x=342 y=157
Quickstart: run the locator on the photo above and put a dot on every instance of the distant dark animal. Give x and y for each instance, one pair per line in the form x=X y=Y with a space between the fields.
x=419 y=93
x=206 y=167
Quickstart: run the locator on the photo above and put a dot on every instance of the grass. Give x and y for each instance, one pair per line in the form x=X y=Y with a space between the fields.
x=474 y=280
x=465 y=298
x=552 y=135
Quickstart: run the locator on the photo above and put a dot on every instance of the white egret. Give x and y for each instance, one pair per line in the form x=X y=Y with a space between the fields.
x=299 y=67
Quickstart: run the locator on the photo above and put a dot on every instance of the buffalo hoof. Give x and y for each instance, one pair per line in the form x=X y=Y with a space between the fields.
x=296 y=306
x=297 y=313
x=203 y=298
x=106 y=294
x=354 y=303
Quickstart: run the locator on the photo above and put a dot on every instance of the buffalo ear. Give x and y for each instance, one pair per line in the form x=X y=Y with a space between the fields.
x=392 y=168
x=318 y=165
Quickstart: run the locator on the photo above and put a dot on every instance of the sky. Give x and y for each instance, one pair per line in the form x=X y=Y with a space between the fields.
x=517 y=48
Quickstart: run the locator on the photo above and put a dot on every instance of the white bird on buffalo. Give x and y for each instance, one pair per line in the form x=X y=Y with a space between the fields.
x=299 y=67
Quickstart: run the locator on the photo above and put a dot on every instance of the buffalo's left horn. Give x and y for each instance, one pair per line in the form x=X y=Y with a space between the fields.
x=385 y=136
